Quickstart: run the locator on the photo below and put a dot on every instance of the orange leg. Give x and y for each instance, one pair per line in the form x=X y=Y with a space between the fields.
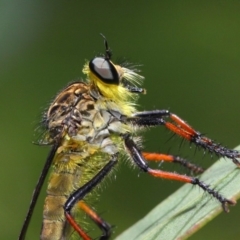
x=195 y=181
x=181 y=128
x=173 y=159
x=93 y=215
x=76 y=227
x=98 y=220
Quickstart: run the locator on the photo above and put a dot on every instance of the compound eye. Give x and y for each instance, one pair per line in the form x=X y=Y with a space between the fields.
x=104 y=70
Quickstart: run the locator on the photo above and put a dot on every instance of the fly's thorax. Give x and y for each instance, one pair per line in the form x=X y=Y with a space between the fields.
x=83 y=113
x=98 y=127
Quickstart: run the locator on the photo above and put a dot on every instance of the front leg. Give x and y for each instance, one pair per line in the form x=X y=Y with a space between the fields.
x=184 y=130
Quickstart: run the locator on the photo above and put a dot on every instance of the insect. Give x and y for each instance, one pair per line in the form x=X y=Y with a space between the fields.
x=91 y=125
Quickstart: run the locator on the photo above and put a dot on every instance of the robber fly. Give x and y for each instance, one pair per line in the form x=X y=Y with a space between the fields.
x=91 y=125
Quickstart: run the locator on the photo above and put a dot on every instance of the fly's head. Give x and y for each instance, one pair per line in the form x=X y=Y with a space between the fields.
x=113 y=81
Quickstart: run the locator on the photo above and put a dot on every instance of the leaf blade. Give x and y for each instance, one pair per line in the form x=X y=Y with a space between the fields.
x=189 y=208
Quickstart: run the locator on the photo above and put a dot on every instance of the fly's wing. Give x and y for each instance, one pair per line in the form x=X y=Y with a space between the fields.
x=57 y=117
x=42 y=137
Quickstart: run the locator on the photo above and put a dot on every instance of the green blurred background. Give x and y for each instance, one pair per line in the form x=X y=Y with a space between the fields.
x=190 y=51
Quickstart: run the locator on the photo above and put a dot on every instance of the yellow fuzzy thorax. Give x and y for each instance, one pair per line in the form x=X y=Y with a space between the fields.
x=118 y=94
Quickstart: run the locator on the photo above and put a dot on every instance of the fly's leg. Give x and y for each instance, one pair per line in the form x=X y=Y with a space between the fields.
x=181 y=128
x=140 y=162
x=80 y=193
x=149 y=156
x=103 y=225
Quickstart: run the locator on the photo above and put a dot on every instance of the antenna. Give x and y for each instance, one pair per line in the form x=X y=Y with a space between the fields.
x=108 y=53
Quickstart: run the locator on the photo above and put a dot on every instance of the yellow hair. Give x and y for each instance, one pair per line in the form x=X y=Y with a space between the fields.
x=117 y=94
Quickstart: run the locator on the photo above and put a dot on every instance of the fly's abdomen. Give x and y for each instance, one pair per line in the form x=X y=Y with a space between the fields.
x=53 y=218
x=63 y=180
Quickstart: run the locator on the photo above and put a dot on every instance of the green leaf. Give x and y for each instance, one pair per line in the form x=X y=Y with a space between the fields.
x=189 y=208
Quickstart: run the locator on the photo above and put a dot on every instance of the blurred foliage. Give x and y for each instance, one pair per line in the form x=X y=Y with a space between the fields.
x=190 y=54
